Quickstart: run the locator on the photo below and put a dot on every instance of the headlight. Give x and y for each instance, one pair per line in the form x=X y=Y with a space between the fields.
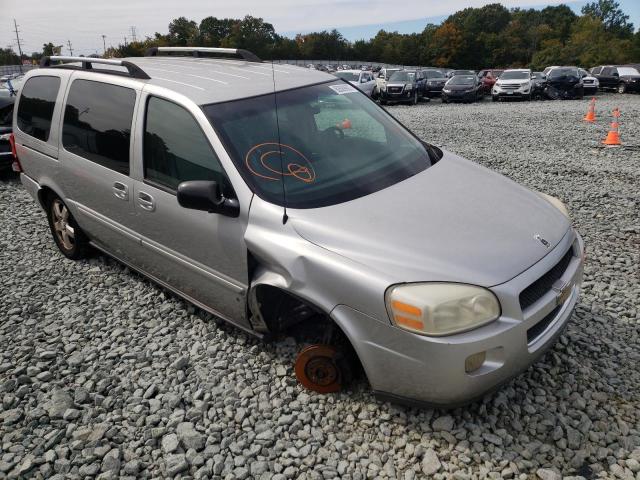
x=556 y=203
x=437 y=309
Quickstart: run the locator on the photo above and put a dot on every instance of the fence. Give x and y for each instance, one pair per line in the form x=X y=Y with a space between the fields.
x=9 y=69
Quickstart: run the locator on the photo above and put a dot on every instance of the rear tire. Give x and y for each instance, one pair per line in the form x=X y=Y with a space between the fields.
x=69 y=238
x=622 y=88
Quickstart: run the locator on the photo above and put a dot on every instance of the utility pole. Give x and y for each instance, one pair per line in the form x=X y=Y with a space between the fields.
x=133 y=33
x=125 y=40
x=15 y=25
x=70 y=48
x=104 y=45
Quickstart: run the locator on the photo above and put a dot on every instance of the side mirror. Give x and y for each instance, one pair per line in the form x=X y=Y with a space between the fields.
x=206 y=195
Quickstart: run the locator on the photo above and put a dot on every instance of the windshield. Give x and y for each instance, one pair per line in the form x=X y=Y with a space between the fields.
x=348 y=76
x=335 y=143
x=563 y=72
x=627 y=71
x=389 y=73
x=462 y=80
x=402 y=76
x=463 y=72
x=433 y=73
x=515 y=76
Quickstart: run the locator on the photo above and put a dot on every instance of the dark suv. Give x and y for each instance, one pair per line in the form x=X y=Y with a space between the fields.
x=434 y=81
x=622 y=79
x=6 y=116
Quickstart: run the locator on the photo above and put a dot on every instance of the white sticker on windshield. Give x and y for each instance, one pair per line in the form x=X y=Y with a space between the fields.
x=342 y=89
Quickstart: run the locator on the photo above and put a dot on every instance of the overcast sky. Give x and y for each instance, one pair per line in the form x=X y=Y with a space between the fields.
x=84 y=21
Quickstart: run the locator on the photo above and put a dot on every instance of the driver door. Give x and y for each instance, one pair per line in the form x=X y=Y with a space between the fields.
x=201 y=255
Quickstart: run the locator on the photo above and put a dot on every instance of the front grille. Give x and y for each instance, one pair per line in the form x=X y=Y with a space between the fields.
x=587 y=81
x=395 y=89
x=539 y=328
x=537 y=289
x=510 y=87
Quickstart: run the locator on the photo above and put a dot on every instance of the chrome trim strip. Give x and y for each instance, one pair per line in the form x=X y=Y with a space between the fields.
x=196 y=267
x=177 y=292
x=105 y=221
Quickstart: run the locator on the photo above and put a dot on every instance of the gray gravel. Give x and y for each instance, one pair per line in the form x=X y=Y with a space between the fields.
x=104 y=374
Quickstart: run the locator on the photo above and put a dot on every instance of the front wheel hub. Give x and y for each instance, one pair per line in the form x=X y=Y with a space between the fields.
x=316 y=369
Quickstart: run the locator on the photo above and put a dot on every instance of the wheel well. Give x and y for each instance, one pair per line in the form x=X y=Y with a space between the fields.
x=44 y=194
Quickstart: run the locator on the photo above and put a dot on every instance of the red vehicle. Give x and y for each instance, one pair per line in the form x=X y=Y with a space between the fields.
x=488 y=77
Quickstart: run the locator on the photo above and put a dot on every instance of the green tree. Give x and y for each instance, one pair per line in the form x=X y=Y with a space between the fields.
x=183 y=32
x=214 y=30
x=611 y=15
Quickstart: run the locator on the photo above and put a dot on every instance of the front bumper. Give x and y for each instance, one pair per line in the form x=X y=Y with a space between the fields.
x=510 y=93
x=402 y=96
x=414 y=369
x=455 y=96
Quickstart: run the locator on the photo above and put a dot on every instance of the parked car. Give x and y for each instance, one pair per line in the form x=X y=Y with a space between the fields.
x=539 y=83
x=434 y=82
x=621 y=79
x=453 y=73
x=488 y=78
x=402 y=87
x=6 y=118
x=564 y=83
x=291 y=203
x=462 y=88
x=589 y=82
x=382 y=78
x=513 y=83
x=359 y=78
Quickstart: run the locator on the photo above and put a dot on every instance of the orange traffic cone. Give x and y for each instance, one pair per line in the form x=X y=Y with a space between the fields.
x=613 y=137
x=591 y=113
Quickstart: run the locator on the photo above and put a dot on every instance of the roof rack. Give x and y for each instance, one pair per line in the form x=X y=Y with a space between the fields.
x=197 y=51
x=134 y=70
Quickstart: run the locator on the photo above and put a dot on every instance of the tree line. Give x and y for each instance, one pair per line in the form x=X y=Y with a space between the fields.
x=489 y=36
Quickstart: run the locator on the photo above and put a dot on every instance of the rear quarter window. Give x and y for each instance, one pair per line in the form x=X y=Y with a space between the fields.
x=97 y=123
x=37 y=101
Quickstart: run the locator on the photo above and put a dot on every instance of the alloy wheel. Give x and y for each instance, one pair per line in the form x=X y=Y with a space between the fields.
x=64 y=232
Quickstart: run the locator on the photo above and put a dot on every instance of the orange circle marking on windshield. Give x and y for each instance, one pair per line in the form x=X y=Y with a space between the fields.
x=304 y=173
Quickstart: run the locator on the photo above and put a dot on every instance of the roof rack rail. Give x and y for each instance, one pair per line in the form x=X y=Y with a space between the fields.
x=134 y=70
x=197 y=51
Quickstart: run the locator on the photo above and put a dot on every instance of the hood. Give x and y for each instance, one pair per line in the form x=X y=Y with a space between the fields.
x=563 y=81
x=456 y=221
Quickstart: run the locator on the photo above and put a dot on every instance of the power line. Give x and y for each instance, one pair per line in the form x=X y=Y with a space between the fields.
x=15 y=25
x=70 y=48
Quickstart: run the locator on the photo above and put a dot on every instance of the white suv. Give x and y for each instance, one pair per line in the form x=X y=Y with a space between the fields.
x=514 y=83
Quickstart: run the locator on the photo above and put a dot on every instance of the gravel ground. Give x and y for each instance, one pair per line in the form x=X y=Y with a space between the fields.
x=103 y=374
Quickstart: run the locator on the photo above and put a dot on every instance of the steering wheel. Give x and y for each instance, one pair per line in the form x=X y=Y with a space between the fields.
x=336 y=131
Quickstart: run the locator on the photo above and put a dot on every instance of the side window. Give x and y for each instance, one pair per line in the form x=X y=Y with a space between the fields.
x=37 y=100
x=176 y=149
x=607 y=71
x=97 y=123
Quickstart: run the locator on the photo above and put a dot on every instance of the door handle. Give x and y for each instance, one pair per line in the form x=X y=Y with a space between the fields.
x=121 y=191
x=146 y=202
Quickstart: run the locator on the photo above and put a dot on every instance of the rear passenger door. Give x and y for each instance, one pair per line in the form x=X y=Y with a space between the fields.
x=95 y=160
x=201 y=255
x=607 y=78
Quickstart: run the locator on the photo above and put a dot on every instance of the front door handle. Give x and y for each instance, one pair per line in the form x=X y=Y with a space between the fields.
x=121 y=191
x=146 y=202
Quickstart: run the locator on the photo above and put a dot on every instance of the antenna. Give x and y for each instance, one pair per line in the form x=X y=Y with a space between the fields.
x=70 y=47
x=285 y=217
x=15 y=25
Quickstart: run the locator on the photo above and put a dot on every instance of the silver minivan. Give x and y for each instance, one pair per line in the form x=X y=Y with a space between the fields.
x=285 y=201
